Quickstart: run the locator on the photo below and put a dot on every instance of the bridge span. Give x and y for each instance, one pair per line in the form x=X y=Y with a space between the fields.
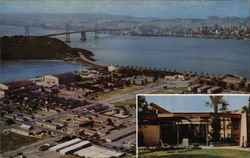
x=83 y=33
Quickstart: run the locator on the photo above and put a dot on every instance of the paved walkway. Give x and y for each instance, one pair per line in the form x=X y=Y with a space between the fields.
x=227 y=147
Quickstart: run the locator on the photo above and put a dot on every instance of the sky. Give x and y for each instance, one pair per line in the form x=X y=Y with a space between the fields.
x=136 y=8
x=194 y=103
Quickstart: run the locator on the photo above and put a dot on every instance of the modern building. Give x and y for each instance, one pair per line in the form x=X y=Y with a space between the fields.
x=172 y=128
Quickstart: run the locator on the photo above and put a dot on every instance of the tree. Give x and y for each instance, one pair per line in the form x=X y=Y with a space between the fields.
x=142 y=104
x=218 y=103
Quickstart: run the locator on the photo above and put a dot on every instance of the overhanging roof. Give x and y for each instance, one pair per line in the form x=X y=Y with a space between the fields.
x=168 y=115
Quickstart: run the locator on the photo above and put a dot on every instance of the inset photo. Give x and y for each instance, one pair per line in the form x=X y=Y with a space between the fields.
x=186 y=126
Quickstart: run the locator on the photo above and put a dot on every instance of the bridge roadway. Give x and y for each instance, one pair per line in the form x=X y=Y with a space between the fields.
x=92 y=30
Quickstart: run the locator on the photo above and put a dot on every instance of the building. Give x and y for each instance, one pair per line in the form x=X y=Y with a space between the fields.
x=47 y=125
x=73 y=148
x=97 y=108
x=194 y=88
x=232 y=79
x=214 y=90
x=172 y=128
x=65 y=145
x=203 y=89
x=67 y=77
x=2 y=94
x=86 y=123
x=22 y=84
x=22 y=129
x=120 y=134
x=97 y=151
x=3 y=87
x=48 y=81
x=112 y=68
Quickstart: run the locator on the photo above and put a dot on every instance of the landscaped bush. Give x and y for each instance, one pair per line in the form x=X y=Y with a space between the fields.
x=196 y=146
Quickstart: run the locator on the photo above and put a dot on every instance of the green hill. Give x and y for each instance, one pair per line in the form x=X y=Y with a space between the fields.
x=38 y=48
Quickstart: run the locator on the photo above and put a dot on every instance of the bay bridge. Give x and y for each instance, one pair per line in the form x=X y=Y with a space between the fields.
x=82 y=32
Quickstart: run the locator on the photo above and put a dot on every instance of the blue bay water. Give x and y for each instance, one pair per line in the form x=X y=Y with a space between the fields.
x=213 y=56
x=16 y=70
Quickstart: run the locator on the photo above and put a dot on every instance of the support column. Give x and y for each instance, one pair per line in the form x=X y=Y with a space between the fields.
x=83 y=36
x=27 y=31
x=207 y=135
x=96 y=35
x=178 y=134
x=67 y=33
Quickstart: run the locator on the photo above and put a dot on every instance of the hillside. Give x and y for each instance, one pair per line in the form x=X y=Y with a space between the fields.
x=38 y=48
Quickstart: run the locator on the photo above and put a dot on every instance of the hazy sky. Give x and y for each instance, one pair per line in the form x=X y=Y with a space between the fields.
x=194 y=103
x=138 y=8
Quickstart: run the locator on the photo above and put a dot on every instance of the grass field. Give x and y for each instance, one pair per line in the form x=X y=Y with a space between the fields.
x=126 y=102
x=12 y=141
x=204 y=153
x=170 y=90
x=118 y=92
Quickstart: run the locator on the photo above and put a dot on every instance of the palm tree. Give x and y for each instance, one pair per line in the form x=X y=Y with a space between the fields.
x=218 y=103
x=215 y=102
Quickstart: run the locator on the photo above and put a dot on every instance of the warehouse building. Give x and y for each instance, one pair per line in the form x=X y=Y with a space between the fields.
x=65 y=145
x=73 y=148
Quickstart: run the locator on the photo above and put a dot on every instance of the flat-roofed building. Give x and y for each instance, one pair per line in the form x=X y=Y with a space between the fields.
x=20 y=131
x=171 y=128
x=73 y=148
x=120 y=134
x=24 y=126
x=47 y=125
x=2 y=94
x=49 y=81
x=97 y=151
x=3 y=87
x=214 y=90
x=65 y=145
x=203 y=89
x=194 y=87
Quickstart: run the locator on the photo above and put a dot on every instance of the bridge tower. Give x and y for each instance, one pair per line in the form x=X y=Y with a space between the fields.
x=83 y=36
x=27 y=31
x=67 y=33
x=96 y=32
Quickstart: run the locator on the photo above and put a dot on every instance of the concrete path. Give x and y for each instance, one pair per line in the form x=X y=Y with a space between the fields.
x=227 y=147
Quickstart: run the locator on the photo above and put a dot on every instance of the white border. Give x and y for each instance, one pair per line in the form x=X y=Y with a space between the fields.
x=177 y=95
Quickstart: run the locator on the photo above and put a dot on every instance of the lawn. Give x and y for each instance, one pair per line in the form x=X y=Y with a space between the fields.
x=170 y=90
x=12 y=141
x=126 y=102
x=204 y=153
x=118 y=92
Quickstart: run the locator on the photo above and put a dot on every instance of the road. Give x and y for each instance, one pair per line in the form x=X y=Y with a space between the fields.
x=148 y=89
x=29 y=147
